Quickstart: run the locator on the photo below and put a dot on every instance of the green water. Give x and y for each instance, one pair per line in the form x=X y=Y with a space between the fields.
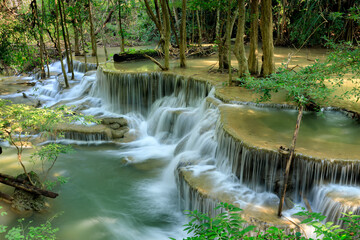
x=105 y=199
x=327 y=134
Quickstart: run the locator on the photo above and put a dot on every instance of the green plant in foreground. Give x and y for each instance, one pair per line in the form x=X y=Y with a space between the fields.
x=19 y=122
x=24 y=230
x=230 y=225
x=350 y=230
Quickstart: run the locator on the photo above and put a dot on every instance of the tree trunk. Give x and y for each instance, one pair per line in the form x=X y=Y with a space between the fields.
x=58 y=44
x=254 y=28
x=92 y=35
x=11 y=181
x=167 y=29
x=228 y=39
x=69 y=44
x=43 y=19
x=172 y=24
x=37 y=23
x=224 y=44
x=62 y=23
x=199 y=27
x=183 y=35
x=193 y=28
x=176 y=16
x=157 y=9
x=239 y=48
x=268 y=65
x=105 y=49
x=217 y=27
x=76 y=37
x=41 y=40
x=122 y=37
x=291 y=155
x=83 y=42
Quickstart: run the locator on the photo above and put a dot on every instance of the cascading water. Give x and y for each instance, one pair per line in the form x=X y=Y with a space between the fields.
x=184 y=157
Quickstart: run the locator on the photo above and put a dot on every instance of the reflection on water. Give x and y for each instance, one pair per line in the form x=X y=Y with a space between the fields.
x=326 y=134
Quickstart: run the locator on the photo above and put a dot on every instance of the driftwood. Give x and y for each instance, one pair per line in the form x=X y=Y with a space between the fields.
x=155 y=61
x=23 y=185
x=194 y=51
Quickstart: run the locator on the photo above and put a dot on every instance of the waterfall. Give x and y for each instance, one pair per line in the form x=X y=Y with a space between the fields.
x=177 y=121
x=262 y=169
x=80 y=66
x=136 y=92
x=332 y=200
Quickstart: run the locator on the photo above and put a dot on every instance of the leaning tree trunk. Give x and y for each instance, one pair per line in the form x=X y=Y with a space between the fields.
x=172 y=24
x=43 y=19
x=268 y=65
x=288 y=163
x=41 y=40
x=254 y=28
x=62 y=23
x=58 y=44
x=69 y=44
x=167 y=29
x=239 y=48
x=176 y=16
x=92 y=35
x=183 y=35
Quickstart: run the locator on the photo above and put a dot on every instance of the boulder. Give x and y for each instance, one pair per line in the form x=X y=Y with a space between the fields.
x=26 y=201
x=119 y=133
x=114 y=126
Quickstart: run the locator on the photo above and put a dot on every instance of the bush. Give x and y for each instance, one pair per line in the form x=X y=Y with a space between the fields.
x=230 y=225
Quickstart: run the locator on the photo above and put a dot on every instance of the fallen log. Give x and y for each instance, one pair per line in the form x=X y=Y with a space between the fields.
x=11 y=181
x=156 y=62
x=6 y=197
x=137 y=55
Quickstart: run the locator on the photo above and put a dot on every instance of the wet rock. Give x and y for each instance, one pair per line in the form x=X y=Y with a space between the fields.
x=26 y=201
x=84 y=132
x=85 y=105
x=121 y=121
x=120 y=133
x=114 y=126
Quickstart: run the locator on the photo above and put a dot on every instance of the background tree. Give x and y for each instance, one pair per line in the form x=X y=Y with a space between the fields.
x=268 y=65
x=183 y=35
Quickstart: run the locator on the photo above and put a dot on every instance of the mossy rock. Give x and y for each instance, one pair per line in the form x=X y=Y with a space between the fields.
x=133 y=54
x=26 y=201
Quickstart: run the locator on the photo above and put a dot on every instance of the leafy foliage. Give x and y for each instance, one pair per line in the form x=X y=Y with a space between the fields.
x=327 y=231
x=314 y=83
x=230 y=225
x=226 y=225
x=19 y=122
x=27 y=232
